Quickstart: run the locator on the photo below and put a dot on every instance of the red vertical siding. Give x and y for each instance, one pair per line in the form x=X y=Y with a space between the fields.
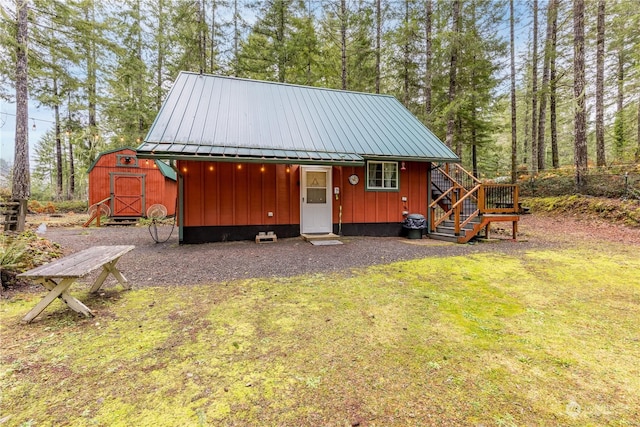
x=158 y=188
x=361 y=206
x=210 y=174
x=239 y=193
x=225 y=194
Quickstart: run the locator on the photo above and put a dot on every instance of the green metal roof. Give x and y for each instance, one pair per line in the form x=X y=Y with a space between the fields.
x=166 y=170
x=209 y=117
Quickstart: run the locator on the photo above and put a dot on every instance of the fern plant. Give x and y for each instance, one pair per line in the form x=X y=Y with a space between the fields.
x=12 y=253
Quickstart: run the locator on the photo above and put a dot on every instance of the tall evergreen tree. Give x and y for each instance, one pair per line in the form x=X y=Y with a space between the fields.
x=579 y=85
x=130 y=90
x=186 y=37
x=281 y=45
x=21 y=186
x=481 y=51
x=378 y=42
x=453 y=69
x=551 y=11
x=428 y=72
x=514 y=115
x=160 y=41
x=53 y=56
x=553 y=77
x=406 y=54
x=600 y=153
x=534 y=91
x=347 y=46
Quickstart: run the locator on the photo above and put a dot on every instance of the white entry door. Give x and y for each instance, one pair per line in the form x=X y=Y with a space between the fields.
x=315 y=199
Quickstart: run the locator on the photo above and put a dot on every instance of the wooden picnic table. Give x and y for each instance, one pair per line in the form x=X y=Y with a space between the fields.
x=57 y=276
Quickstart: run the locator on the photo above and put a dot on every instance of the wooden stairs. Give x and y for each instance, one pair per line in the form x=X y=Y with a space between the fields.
x=463 y=208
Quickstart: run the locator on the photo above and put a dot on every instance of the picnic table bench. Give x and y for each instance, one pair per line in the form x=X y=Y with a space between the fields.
x=57 y=276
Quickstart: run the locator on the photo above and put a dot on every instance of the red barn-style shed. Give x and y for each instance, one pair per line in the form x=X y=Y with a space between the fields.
x=130 y=184
x=255 y=156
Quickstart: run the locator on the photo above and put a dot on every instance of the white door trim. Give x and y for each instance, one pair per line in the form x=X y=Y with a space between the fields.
x=316 y=217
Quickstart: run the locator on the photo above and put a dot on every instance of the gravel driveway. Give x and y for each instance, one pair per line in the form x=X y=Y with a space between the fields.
x=165 y=264
x=169 y=263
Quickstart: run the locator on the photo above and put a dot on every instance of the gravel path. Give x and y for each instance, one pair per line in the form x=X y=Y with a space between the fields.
x=171 y=264
x=160 y=264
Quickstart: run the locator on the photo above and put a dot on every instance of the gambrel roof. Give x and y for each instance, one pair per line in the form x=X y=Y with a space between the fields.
x=208 y=117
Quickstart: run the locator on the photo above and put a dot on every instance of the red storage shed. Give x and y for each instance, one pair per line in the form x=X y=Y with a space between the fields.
x=129 y=185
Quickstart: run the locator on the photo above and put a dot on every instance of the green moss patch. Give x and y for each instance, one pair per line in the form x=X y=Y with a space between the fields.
x=625 y=212
x=537 y=338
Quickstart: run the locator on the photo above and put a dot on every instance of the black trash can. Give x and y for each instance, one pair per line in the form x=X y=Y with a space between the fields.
x=414 y=224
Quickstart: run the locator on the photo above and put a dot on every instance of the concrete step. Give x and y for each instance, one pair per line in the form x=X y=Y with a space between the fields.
x=319 y=236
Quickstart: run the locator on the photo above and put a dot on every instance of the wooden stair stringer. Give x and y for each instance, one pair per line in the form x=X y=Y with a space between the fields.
x=486 y=220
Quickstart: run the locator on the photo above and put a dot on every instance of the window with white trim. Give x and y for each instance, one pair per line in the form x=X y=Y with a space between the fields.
x=382 y=175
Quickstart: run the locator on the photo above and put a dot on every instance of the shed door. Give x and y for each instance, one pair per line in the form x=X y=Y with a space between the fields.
x=315 y=202
x=127 y=195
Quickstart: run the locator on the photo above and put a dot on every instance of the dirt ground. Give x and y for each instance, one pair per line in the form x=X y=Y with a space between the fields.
x=168 y=263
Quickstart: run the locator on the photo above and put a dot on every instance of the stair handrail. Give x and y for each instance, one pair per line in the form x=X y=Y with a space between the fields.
x=454 y=181
x=434 y=204
x=459 y=169
x=442 y=196
x=457 y=206
x=470 y=175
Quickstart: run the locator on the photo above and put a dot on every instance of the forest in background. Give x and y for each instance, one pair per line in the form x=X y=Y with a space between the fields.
x=569 y=97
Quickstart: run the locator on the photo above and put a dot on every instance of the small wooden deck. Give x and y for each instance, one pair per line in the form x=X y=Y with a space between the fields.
x=463 y=206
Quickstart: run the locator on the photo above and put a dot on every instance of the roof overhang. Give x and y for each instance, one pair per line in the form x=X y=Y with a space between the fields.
x=266 y=155
x=412 y=159
x=247 y=155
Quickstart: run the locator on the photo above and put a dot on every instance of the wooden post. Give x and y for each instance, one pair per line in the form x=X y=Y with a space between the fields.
x=456 y=212
x=22 y=215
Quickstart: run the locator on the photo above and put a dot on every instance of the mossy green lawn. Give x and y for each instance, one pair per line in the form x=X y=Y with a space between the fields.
x=535 y=338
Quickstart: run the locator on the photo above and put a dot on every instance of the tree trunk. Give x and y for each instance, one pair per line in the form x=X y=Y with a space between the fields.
x=429 y=60
x=343 y=41
x=310 y=46
x=514 y=133
x=90 y=52
x=534 y=92
x=551 y=10
x=236 y=39
x=378 y=38
x=72 y=173
x=452 y=74
x=21 y=185
x=160 y=63
x=525 y=143
x=637 y=157
x=618 y=126
x=202 y=25
x=580 y=143
x=405 y=58
x=212 y=46
x=139 y=85
x=555 y=158
x=474 y=138
x=280 y=40
x=56 y=112
x=600 y=156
